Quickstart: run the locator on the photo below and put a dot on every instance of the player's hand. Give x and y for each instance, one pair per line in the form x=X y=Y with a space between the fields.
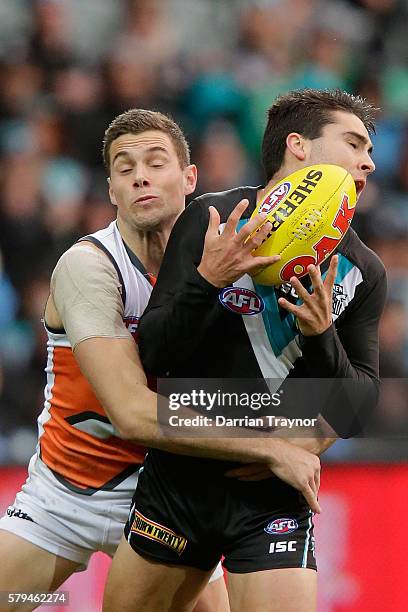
x=298 y=468
x=228 y=256
x=314 y=316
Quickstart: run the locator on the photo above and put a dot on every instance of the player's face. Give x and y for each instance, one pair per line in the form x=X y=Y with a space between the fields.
x=345 y=143
x=147 y=183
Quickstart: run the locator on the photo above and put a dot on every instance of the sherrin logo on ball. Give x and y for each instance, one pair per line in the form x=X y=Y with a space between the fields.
x=241 y=301
x=308 y=222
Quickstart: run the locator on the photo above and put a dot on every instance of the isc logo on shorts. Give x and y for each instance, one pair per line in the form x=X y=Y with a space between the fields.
x=241 y=301
x=278 y=547
x=154 y=531
x=281 y=526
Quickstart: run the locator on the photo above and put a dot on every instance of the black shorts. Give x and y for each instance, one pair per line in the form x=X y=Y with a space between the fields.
x=196 y=516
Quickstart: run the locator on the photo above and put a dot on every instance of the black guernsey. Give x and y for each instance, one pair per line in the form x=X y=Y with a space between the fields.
x=187 y=332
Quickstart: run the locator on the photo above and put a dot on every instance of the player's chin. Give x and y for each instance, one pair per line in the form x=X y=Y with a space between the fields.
x=358 y=194
x=360 y=186
x=147 y=221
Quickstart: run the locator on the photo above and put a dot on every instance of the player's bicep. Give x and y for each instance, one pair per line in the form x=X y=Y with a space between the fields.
x=85 y=289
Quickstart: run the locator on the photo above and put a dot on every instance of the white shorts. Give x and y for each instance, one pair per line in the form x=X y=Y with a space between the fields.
x=68 y=524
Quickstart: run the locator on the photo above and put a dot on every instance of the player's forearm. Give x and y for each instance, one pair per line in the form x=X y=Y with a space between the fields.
x=113 y=369
x=356 y=389
x=315 y=439
x=317 y=446
x=141 y=426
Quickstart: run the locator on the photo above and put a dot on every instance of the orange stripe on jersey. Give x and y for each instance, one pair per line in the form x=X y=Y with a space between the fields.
x=152 y=278
x=78 y=442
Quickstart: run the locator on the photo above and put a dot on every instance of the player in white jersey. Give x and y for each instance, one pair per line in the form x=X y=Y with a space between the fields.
x=81 y=479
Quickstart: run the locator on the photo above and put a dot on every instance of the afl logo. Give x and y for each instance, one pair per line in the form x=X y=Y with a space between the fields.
x=241 y=301
x=281 y=526
x=273 y=198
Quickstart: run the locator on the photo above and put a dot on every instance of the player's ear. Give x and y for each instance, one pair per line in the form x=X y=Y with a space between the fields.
x=111 y=193
x=190 y=179
x=296 y=145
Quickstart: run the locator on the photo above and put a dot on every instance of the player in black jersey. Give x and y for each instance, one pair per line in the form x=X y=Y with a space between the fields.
x=186 y=514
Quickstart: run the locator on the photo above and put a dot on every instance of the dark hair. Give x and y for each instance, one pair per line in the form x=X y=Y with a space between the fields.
x=307 y=111
x=138 y=120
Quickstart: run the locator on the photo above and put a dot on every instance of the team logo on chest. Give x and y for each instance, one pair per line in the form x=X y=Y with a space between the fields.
x=339 y=299
x=241 y=301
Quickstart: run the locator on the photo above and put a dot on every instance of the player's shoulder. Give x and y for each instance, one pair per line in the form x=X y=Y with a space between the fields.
x=83 y=259
x=225 y=201
x=368 y=262
x=80 y=253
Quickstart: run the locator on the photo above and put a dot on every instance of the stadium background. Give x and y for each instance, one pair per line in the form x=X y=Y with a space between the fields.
x=67 y=67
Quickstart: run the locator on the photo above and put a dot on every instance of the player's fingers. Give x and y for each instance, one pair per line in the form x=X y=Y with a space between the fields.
x=214 y=221
x=254 y=226
x=260 y=263
x=316 y=278
x=317 y=480
x=300 y=290
x=331 y=273
x=255 y=239
x=288 y=306
x=311 y=497
x=232 y=221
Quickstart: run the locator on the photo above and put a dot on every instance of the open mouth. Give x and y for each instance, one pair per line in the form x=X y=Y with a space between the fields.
x=360 y=184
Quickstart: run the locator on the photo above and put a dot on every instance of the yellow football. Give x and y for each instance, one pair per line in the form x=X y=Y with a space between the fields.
x=310 y=211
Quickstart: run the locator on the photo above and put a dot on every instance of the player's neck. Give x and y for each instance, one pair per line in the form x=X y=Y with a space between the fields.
x=148 y=246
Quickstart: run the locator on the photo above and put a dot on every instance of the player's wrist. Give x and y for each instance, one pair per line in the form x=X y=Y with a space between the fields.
x=212 y=279
x=316 y=337
x=276 y=452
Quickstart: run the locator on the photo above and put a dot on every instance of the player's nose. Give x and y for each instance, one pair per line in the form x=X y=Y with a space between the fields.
x=367 y=164
x=141 y=181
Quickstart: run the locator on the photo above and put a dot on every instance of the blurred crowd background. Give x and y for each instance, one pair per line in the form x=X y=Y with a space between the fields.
x=67 y=67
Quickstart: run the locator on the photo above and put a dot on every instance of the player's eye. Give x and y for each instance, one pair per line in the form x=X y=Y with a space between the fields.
x=353 y=144
x=125 y=170
x=157 y=163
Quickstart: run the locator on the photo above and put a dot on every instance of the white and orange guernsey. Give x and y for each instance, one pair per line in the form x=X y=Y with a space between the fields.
x=77 y=442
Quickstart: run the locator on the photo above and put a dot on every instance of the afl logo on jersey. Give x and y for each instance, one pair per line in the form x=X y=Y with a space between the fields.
x=273 y=198
x=281 y=526
x=241 y=301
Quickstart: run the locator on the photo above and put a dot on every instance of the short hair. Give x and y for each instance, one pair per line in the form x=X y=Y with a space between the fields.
x=138 y=120
x=307 y=111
